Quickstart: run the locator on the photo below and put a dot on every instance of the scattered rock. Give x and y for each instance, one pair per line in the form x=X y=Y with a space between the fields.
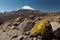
x=38 y=18
x=27 y=33
x=16 y=23
x=3 y=30
x=18 y=19
x=0 y=27
x=25 y=37
x=25 y=19
x=14 y=36
x=34 y=38
x=31 y=17
x=32 y=35
x=39 y=37
x=13 y=27
x=20 y=38
x=5 y=27
x=31 y=38
x=25 y=26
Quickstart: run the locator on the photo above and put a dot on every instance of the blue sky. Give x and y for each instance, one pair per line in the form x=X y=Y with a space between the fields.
x=42 y=5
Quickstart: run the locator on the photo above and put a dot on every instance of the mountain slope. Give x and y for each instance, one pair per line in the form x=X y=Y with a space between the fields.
x=23 y=12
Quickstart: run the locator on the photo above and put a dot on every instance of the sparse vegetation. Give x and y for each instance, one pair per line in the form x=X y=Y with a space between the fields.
x=42 y=27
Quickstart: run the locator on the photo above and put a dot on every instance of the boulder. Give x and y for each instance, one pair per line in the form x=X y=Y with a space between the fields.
x=26 y=25
x=57 y=34
x=55 y=25
x=56 y=29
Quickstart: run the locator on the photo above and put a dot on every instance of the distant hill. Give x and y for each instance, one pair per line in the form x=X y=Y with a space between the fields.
x=25 y=13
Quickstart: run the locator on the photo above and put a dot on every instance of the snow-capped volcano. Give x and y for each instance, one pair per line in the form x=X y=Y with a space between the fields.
x=28 y=8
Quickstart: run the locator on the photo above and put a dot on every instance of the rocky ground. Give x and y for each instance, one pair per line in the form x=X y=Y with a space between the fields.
x=17 y=29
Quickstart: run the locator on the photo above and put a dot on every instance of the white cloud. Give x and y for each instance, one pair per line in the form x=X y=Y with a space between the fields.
x=27 y=7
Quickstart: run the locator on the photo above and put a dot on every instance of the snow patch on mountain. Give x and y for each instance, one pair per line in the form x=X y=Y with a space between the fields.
x=28 y=8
